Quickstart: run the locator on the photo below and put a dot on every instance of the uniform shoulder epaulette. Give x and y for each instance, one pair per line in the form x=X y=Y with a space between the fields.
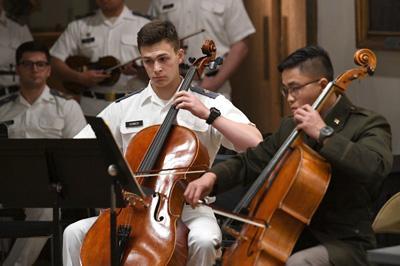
x=204 y=92
x=8 y=99
x=135 y=13
x=59 y=94
x=92 y=13
x=129 y=95
x=359 y=110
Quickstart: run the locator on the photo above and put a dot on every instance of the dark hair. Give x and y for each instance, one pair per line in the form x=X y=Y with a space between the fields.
x=157 y=31
x=312 y=60
x=31 y=46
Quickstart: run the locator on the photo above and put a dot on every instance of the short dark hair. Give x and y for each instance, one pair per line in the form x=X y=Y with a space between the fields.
x=157 y=31
x=310 y=59
x=31 y=46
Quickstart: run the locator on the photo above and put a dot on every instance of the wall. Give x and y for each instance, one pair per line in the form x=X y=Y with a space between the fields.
x=140 y=6
x=336 y=33
x=55 y=15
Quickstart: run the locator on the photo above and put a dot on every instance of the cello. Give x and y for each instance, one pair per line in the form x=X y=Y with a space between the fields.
x=149 y=229
x=288 y=190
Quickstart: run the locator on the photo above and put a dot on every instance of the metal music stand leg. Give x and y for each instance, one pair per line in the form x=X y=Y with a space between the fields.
x=56 y=252
x=113 y=228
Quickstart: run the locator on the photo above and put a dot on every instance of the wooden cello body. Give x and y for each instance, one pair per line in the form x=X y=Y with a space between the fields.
x=149 y=230
x=288 y=191
x=157 y=235
x=284 y=208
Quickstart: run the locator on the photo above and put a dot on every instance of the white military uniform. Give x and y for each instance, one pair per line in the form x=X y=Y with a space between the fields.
x=128 y=117
x=50 y=116
x=12 y=35
x=94 y=37
x=225 y=22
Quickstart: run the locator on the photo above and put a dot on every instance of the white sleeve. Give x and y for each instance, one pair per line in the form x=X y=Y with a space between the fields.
x=112 y=116
x=109 y=116
x=229 y=111
x=74 y=119
x=86 y=133
x=67 y=43
x=153 y=10
x=237 y=22
x=26 y=35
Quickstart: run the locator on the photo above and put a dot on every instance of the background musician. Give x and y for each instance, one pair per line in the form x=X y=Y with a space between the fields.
x=226 y=22
x=37 y=112
x=110 y=31
x=12 y=34
x=159 y=46
x=355 y=141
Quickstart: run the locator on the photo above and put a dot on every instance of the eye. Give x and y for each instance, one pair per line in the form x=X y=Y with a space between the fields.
x=163 y=59
x=147 y=61
x=41 y=64
x=295 y=88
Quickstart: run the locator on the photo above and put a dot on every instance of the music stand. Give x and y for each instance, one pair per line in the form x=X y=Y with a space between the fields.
x=60 y=173
x=120 y=170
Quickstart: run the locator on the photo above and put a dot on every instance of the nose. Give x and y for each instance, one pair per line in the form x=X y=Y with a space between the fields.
x=157 y=67
x=290 y=98
x=35 y=68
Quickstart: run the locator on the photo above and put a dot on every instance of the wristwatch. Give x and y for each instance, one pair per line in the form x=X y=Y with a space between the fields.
x=324 y=133
x=214 y=113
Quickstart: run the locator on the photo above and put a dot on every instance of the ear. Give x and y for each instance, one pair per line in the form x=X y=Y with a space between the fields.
x=323 y=82
x=49 y=72
x=181 y=55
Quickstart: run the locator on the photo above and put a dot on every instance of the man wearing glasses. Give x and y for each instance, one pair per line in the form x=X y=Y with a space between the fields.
x=36 y=112
x=355 y=141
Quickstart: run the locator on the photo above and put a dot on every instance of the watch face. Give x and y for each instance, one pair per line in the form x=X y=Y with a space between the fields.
x=327 y=131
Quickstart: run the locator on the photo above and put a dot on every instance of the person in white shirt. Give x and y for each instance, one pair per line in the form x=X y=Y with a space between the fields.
x=37 y=112
x=110 y=31
x=12 y=34
x=226 y=22
x=209 y=115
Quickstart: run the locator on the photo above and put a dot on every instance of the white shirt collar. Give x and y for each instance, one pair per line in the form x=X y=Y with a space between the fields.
x=45 y=96
x=150 y=95
x=126 y=13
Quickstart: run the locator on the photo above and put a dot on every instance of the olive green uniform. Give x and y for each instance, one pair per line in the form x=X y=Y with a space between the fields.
x=360 y=155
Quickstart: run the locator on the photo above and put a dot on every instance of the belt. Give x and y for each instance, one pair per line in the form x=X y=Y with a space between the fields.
x=110 y=97
x=8 y=90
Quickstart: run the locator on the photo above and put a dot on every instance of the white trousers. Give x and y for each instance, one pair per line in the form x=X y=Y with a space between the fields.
x=204 y=237
x=314 y=256
x=25 y=251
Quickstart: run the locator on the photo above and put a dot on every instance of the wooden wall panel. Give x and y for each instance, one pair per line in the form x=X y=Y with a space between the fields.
x=253 y=83
x=281 y=28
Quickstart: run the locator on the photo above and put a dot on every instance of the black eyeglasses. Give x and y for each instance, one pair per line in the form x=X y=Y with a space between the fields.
x=295 y=89
x=39 y=64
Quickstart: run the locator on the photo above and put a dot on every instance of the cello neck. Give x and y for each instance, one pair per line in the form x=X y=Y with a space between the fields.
x=282 y=151
x=162 y=134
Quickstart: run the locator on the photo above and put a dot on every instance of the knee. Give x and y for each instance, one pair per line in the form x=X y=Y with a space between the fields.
x=205 y=242
x=297 y=259
x=73 y=234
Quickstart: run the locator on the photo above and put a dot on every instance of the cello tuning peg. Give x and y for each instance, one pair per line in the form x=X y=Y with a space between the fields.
x=219 y=60
x=191 y=59
x=213 y=65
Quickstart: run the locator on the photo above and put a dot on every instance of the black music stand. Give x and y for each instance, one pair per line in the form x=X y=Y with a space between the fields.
x=61 y=173
x=122 y=173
